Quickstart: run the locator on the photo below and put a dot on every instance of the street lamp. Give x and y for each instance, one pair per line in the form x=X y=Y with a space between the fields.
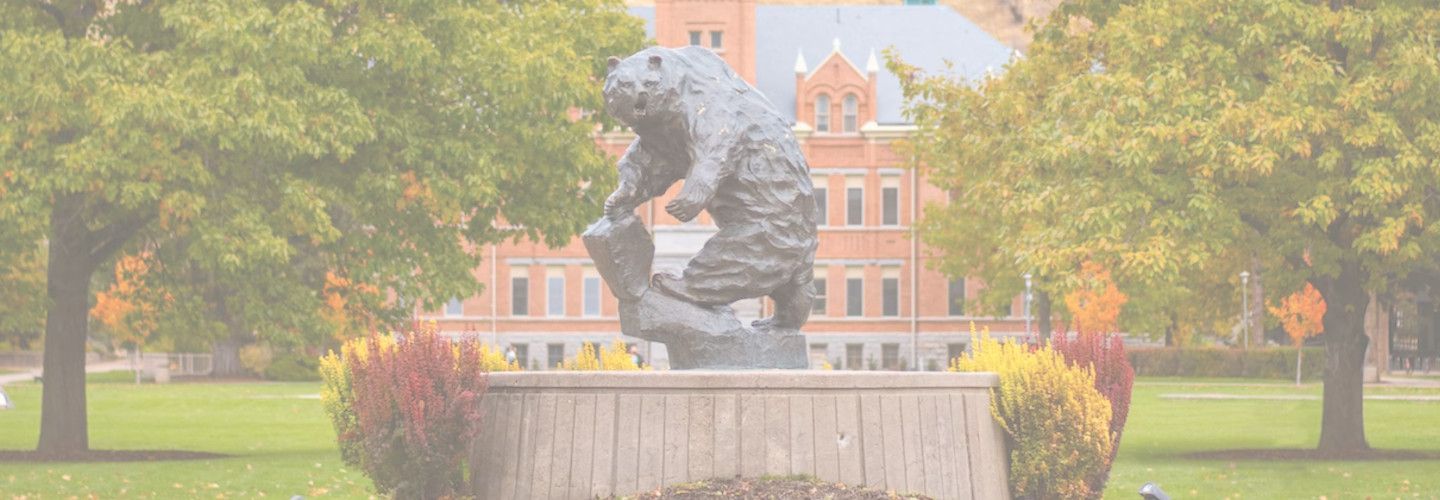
x=1245 y=306
x=1028 y=295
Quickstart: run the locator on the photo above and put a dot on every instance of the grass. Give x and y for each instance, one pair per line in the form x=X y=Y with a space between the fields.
x=1160 y=430
x=281 y=444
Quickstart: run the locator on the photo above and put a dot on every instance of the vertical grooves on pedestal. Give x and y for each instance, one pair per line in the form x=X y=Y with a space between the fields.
x=814 y=442
x=615 y=449
x=859 y=437
x=969 y=466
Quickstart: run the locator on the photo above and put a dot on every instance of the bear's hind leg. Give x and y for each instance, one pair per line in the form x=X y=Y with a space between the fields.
x=793 y=303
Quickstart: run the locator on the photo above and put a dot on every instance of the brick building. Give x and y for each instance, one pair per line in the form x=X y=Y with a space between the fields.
x=876 y=297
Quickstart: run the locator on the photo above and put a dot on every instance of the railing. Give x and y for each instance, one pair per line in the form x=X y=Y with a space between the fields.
x=178 y=363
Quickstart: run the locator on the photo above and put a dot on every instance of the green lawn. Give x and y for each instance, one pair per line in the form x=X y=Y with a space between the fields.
x=281 y=443
x=283 y=446
x=1160 y=429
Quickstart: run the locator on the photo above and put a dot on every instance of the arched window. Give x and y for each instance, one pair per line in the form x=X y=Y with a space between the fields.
x=822 y=113
x=851 y=110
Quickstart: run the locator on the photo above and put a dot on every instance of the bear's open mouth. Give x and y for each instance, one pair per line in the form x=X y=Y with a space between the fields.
x=640 y=103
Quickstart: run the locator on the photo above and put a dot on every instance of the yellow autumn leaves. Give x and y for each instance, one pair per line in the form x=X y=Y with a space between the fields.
x=1057 y=422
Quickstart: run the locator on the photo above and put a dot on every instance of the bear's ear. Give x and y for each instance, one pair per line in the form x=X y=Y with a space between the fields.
x=612 y=63
x=654 y=62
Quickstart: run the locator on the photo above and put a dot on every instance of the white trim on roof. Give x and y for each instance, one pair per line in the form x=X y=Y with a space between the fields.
x=834 y=52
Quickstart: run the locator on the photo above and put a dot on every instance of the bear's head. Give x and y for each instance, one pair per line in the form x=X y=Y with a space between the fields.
x=641 y=88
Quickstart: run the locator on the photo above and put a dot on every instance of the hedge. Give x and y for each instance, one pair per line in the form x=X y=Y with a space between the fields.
x=1276 y=363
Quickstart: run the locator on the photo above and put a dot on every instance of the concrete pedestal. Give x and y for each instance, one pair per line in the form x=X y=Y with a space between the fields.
x=587 y=434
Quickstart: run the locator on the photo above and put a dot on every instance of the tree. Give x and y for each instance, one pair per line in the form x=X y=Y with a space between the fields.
x=1302 y=314
x=129 y=309
x=1096 y=305
x=22 y=298
x=257 y=145
x=1174 y=140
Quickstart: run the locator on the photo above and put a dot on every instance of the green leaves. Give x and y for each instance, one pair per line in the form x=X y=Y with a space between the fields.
x=271 y=142
x=1175 y=141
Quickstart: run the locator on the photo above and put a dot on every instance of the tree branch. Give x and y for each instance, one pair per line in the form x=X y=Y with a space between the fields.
x=53 y=11
x=107 y=241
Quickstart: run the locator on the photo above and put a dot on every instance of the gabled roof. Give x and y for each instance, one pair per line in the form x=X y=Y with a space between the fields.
x=925 y=36
x=837 y=53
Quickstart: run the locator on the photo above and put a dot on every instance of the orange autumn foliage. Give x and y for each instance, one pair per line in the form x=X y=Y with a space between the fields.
x=346 y=316
x=129 y=309
x=1302 y=314
x=1095 y=305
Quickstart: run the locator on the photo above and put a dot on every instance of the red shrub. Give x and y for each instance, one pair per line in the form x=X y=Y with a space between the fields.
x=416 y=403
x=1114 y=378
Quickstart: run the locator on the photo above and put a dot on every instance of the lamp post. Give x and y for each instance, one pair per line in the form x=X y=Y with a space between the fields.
x=1028 y=295
x=1245 y=306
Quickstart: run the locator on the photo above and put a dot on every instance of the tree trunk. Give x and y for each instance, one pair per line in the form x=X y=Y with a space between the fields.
x=1170 y=329
x=226 y=352
x=1042 y=309
x=1299 y=362
x=63 y=426
x=1257 y=305
x=1342 y=421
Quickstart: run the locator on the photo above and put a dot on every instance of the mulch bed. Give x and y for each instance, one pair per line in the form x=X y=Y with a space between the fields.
x=1313 y=455
x=106 y=456
x=772 y=488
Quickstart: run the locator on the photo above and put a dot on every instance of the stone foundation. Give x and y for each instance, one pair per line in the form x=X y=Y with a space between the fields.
x=587 y=434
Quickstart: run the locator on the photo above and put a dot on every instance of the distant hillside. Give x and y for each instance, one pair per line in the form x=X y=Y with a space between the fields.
x=1004 y=19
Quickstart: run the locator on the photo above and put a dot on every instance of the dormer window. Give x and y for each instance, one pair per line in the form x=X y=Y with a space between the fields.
x=850 y=106
x=822 y=113
x=717 y=39
x=694 y=38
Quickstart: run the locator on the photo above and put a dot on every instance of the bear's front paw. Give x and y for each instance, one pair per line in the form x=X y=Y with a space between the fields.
x=684 y=209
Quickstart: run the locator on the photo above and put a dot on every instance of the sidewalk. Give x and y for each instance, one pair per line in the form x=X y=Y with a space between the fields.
x=1403 y=381
x=101 y=367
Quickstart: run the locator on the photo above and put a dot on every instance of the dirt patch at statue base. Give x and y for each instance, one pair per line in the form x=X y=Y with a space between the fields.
x=778 y=488
x=1292 y=454
x=106 y=456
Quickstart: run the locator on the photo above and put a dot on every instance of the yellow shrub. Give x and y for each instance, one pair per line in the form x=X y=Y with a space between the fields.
x=493 y=360
x=1058 y=425
x=613 y=358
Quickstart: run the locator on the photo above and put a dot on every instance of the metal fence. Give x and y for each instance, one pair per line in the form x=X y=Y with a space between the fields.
x=178 y=363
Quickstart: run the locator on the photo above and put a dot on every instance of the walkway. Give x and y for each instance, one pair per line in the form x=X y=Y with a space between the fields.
x=101 y=367
x=1291 y=397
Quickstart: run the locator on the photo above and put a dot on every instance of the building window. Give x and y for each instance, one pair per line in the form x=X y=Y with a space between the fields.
x=890 y=200
x=519 y=296
x=818 y=305
x=522 y=355
x=890 y=356
x=717 y=39
x=454 y=308
x=555 y=295
x=819 y=355
x=854 y=206
x=954 y=351
x=822 y=113
x=592 y=295
x=694 y=38
x=554 y=355
x=854 y=356
x=855 y=296
x=850 y=106
x=822 y=206
x=957 y=297
x=890 y=296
